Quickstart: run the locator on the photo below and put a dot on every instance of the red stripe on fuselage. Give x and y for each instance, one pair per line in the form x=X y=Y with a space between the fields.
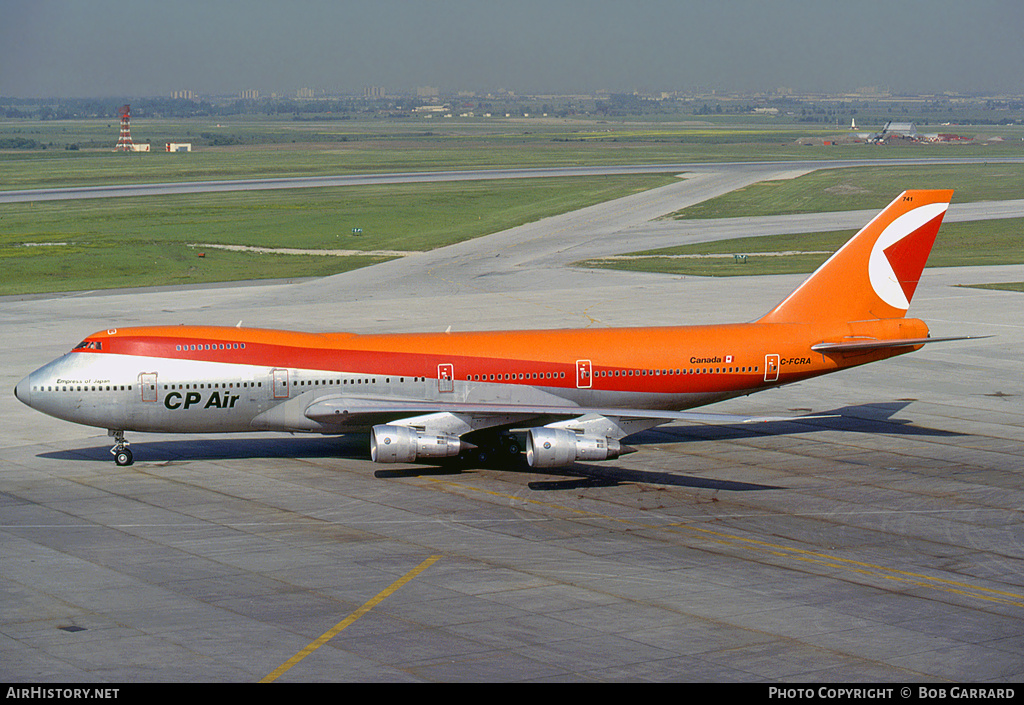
x=371 y=355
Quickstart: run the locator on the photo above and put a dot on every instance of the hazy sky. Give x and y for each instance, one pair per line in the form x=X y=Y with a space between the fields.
x=148 y=48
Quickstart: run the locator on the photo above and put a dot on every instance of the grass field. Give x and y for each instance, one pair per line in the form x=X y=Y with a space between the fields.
x=73 y=245
x=959 y=244
x=279 y=148
x=862 y=188
x=1001 y=286
x=984 y=242
x=106 y=243
x=140 y=264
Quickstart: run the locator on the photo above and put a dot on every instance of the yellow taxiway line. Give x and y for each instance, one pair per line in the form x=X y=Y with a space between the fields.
x=348 y=621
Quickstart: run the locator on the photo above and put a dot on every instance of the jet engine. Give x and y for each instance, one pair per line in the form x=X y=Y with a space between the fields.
x=403 y=444
x=556 y=447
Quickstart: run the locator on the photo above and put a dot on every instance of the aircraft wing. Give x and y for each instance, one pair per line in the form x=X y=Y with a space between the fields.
x=357 y=411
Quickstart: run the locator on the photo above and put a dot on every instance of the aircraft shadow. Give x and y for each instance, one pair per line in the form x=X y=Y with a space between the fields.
x=861 y=418
x=581 y=477
x=865 y=418
x=577 y=476
x=224 y=448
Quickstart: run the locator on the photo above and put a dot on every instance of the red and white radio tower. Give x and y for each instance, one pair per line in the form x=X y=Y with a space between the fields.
x=124 y=144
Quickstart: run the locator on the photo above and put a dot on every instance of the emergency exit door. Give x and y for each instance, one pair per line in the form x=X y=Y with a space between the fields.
x=446 y=377
x=584 y=374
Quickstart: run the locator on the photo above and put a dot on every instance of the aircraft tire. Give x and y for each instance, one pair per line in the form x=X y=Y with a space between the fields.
x=123 y=458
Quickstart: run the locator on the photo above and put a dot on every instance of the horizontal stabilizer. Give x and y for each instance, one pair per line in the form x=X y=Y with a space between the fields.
x=880 y=344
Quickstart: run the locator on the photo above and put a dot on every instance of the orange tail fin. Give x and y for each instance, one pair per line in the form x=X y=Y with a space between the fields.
x=875 y=274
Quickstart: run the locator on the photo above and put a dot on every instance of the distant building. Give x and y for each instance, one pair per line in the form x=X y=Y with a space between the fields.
x=178 y=147
x=899 y=129
x=374 y=92
x=250 y=94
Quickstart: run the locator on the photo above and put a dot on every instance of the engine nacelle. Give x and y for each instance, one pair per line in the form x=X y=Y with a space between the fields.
x=557 y=447
x=402 y=444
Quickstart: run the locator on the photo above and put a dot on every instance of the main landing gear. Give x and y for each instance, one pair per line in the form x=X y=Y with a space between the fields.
x=122 y=456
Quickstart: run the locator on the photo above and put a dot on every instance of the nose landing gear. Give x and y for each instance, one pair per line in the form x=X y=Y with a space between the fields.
x=122 y=456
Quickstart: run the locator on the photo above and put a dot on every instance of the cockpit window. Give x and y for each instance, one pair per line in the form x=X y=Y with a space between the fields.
x=89 y=345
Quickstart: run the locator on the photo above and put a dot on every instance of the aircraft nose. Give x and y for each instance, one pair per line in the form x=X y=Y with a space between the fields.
x=23 y=391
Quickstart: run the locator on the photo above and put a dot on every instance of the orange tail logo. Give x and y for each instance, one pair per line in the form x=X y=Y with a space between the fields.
x=875 y=274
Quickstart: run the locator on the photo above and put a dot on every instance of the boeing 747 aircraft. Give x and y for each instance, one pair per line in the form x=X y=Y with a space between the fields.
x=574 y=393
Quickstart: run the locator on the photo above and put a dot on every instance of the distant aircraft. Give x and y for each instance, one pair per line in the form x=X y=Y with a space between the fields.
x=574 y=393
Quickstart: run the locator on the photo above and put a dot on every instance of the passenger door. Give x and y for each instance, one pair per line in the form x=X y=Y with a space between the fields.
x=280 y=384
x=147 y=381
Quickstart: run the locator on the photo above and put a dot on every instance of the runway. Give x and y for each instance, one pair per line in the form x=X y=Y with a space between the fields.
x=226 y=185
x=885 y=545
